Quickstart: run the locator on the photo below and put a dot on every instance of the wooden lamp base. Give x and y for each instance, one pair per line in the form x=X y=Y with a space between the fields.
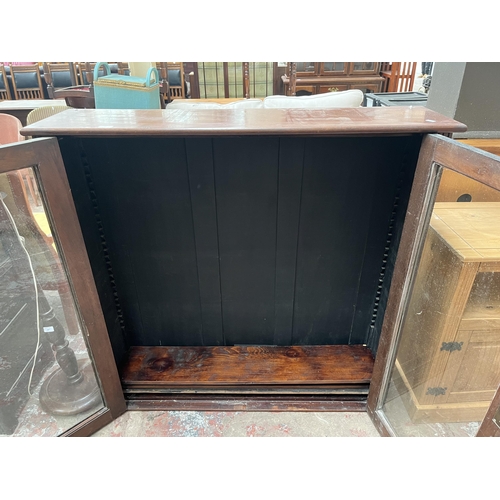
x=61 y=396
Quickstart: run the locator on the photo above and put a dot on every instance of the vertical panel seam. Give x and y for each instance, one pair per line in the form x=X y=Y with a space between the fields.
x=276 y=234
x=218 y=243
x=194 y=239
x=298 y=239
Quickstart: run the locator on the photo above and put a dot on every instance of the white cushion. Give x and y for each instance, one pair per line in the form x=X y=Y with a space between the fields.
x=243 y=104
x=345 y=99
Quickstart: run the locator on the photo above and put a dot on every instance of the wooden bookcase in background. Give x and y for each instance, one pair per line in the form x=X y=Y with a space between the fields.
x=320 y=77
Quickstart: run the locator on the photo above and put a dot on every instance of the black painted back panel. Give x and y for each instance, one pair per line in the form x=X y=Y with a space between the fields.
x=242 y=240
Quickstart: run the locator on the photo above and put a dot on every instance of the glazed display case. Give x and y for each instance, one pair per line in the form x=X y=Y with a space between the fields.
x=251 y=259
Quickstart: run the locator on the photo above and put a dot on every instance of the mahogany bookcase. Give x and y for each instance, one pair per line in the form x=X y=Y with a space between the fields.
x=243 y=258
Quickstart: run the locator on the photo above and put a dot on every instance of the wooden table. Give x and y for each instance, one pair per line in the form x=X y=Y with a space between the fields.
x=22 y=108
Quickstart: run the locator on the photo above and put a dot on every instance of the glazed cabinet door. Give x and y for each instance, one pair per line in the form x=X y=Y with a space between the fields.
x=364 y=68
x=437 y=371
x=334 y=68
x=307 y=68
x=57 y=371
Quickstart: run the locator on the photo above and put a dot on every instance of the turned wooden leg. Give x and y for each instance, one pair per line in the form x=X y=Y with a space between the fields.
x=72 y=388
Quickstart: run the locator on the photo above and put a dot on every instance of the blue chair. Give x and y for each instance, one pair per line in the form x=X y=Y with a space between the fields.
x=26 y=82
x=58 y=76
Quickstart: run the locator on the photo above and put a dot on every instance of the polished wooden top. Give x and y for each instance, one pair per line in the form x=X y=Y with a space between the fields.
x=471 y=230
x=230 y=122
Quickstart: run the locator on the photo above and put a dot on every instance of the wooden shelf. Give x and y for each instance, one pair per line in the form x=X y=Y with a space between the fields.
x=481 y=318
x=243 y=366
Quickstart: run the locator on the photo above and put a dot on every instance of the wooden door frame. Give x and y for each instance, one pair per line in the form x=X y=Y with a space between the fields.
x=488 y=427
x=44 y=156
x=436 y=152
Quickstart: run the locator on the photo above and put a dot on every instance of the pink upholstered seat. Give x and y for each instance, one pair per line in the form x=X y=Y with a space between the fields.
x=9 y=129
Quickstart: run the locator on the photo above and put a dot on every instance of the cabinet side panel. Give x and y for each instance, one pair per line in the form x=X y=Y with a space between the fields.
x=395 y=161
x=437 y=277
x=76 y=164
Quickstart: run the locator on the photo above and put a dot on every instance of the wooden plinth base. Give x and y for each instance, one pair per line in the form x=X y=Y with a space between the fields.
x=253 y=378
x=184 y=402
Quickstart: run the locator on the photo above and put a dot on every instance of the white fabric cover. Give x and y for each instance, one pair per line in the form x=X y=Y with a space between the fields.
x=345 y=99
x=243 y=104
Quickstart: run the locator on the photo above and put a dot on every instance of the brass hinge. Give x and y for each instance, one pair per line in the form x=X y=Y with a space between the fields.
x=436 y=391
x=452 y=346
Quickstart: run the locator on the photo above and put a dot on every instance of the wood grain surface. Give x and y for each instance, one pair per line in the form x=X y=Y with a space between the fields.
x=245 y=403
x=177 y=122
x=470 y=229
x=245 y=365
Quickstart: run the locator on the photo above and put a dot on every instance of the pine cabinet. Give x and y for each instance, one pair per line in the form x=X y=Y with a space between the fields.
x=454 y=316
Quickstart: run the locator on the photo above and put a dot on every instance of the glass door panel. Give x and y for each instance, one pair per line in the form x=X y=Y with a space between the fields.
x=307 y=68
x=447 y=363
x=47 y=379
x=365 y=68
x=334 y=68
